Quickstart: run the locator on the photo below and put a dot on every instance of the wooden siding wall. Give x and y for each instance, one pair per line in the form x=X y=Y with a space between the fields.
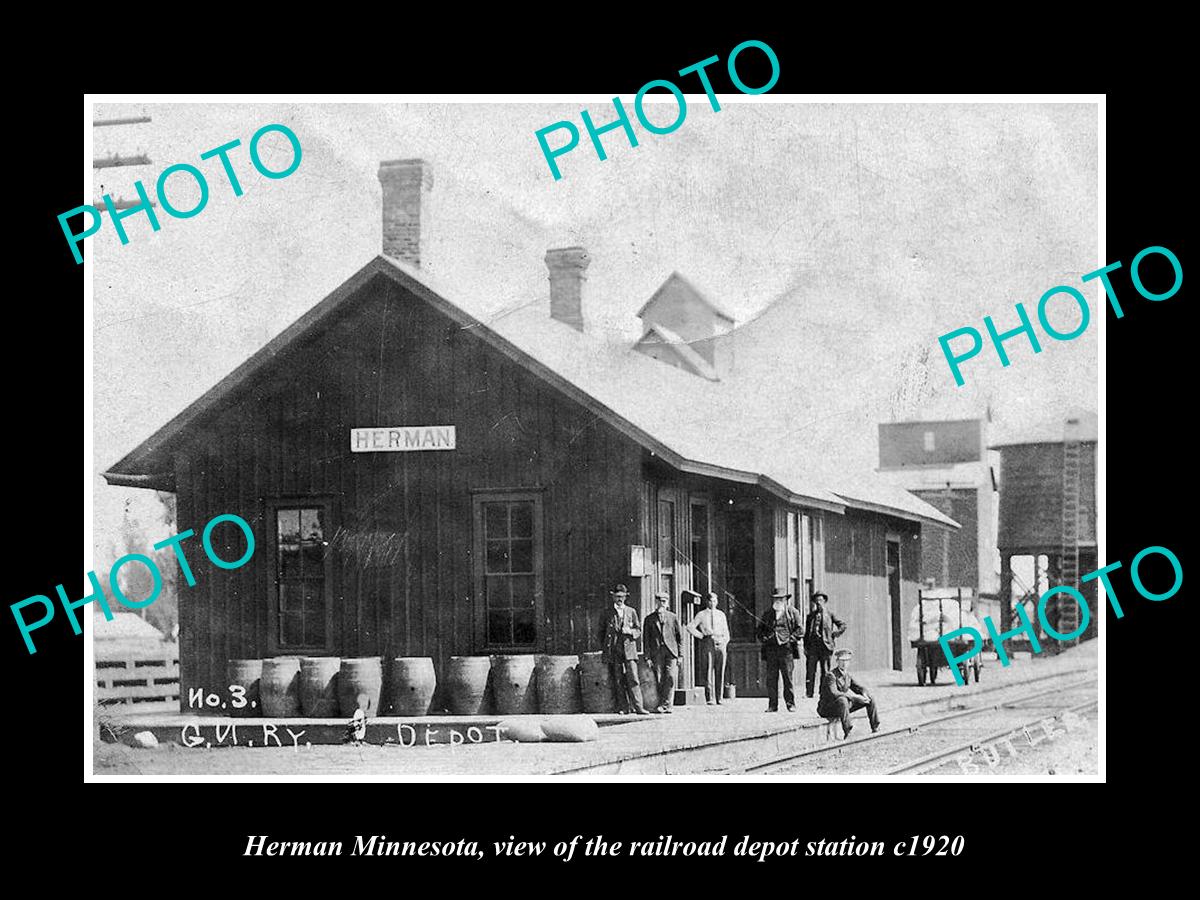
x=962 y=505
x=856 y=582
x=1031 y=477
x=391 y=359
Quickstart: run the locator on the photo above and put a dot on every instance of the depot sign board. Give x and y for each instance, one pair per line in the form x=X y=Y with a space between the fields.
x=401 y=438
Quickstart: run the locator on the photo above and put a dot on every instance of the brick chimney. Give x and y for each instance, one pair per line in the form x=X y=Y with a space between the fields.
x=406 y=185
x=567 y=266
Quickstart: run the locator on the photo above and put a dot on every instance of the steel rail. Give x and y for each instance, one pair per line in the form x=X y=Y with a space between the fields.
x=936 y=759
x=904 y=731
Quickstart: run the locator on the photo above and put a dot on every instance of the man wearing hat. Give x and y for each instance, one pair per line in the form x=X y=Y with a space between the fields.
x=664 y=646
x=780 y=632
x=842 y=695
x=711 y=628
x=618 y=642
x=821 y=630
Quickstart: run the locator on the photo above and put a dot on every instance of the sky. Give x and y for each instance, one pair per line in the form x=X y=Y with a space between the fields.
x=852 y=233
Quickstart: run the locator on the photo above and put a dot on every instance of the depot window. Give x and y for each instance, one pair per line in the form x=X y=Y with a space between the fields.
x=508 y=569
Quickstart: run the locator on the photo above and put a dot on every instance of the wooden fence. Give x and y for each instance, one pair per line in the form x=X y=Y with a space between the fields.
x=137 y=671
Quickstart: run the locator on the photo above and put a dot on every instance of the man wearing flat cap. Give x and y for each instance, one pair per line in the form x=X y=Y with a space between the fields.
x=619 y=635
x=780 y=632
x=663 y=640
x=821 y=631
x=841 y=695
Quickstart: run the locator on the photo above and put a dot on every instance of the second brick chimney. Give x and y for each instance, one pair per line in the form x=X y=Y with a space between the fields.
x=406 y=186
x=567 y=266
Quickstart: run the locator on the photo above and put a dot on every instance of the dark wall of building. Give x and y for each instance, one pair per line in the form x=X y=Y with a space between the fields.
x=1031 y=489
x=857 y=583
x=390 y=359
x=905 y=443
x=961 y=547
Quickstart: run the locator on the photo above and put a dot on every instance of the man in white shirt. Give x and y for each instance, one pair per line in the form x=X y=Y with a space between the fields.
x=712 y=630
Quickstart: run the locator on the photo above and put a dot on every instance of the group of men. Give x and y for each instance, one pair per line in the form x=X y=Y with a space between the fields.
x=662 y=635
x=781 y=633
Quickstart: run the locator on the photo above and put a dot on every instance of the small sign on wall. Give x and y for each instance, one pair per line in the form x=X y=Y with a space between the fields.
x=639 y=561
x=402 y=438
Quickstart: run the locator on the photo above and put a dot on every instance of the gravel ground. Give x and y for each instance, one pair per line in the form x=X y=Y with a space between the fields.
x=1072 y=753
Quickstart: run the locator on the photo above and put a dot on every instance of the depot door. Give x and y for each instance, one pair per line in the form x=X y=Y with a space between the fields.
x=893 y=581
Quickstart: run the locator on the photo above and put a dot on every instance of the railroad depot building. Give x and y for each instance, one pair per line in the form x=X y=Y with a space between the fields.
x=425 y=480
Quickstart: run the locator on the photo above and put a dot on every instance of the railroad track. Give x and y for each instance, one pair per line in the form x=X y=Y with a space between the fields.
x=733 y=754
x=932 y=742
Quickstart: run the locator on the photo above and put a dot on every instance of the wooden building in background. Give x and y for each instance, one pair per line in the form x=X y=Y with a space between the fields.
x=423 y=479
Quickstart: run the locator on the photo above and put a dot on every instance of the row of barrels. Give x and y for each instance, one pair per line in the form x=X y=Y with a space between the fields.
x=329 y=686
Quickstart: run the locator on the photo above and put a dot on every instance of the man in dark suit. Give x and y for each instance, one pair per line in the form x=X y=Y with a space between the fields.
x=821 y=631
x=664 y=646
x=619 y=635
x=780 y=632
x=842 y=695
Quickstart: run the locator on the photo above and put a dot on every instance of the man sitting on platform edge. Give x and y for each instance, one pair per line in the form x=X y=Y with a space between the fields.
x=842 y=695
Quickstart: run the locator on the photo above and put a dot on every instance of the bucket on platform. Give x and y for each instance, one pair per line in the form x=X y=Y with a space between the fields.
x=558 y=685
x=411 y=685
x=243 y=676
x=279 y=687
x=731 y=692
x=359 y=684
x=318 y=686
x=595 y=684
x=466 y=685
x=512 y=684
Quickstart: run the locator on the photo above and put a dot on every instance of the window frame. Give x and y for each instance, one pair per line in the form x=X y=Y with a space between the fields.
x=271 y=509
x=515 y=495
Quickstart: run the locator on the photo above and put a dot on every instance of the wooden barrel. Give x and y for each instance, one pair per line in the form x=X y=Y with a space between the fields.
x=466 y=685
x=359 y=684
x=242 y=677
x=512 y=684
x=595 y=684
x=411 y=685
x=649 y=683
x=318 y=686
x=558 y=685
x=279 y=687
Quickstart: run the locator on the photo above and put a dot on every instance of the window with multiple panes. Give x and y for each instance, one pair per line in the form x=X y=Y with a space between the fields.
x=508 y=529
x=301 y=576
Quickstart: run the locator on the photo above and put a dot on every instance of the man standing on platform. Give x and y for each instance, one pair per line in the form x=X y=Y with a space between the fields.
x=780 y=632
x=820 y=633
x=711 y=628
x=618 y=640
x=664 y=647
x=842 y=695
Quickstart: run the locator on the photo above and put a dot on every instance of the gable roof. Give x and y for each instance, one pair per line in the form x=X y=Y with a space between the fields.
x=676 y=278
x=660 y=336
x=695 y=425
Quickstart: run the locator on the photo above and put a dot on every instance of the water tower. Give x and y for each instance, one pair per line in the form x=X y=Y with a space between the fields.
x=1047 y=534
